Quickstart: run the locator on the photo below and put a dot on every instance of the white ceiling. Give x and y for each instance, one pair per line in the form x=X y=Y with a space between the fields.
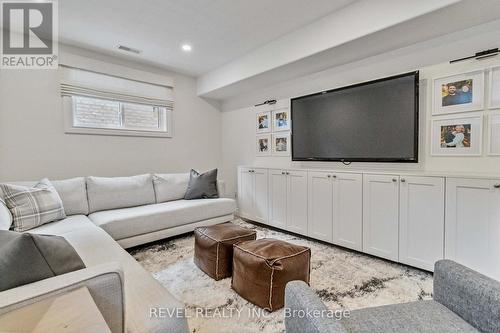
x=219 y=30
x=297 y=54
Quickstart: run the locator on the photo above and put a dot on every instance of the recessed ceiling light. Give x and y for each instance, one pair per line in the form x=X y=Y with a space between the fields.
x=186 y=47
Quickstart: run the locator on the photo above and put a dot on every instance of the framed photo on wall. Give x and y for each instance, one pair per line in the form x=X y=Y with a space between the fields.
x=494 y=101
x=494 y=134
x=281 y=120
x=263 y=122
x=263 y=145
x=457 y=136
x=281 y=144
x=458 y=93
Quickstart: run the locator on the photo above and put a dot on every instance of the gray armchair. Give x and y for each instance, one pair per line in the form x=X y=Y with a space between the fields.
x=464 y=301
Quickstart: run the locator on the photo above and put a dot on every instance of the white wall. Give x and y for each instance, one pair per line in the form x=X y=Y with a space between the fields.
x=33 y=143
x=239 y=125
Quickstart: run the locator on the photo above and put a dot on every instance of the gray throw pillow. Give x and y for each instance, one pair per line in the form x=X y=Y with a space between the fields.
x=202 y=186
x=27 y=258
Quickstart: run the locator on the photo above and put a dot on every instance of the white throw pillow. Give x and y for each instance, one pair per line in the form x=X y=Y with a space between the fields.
x=33 y=206
x=169 y=187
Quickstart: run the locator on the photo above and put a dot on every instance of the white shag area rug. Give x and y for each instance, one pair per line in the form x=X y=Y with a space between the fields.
x=341 y=278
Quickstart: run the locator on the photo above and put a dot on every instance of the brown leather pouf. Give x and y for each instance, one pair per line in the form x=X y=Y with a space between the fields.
x=213 y=247
x=262 y=268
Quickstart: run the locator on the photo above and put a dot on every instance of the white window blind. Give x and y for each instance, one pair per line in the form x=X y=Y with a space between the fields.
x=96 y=103
x=141 y=116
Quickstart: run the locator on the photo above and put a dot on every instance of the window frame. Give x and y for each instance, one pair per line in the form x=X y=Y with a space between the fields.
x=70 y=128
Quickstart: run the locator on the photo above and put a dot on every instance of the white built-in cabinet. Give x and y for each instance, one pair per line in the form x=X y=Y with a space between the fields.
x=288 y=200
x=335 y=208
x=253 y=194
x=348 y=210
x=277 y=198
x=320 y=206
x=381 y=216
x=297 y=201
x=473 y=224
x=403 y=218
x=421 y=221
x=412 y=219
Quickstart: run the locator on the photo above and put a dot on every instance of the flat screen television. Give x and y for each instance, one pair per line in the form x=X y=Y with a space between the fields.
x=374 y=121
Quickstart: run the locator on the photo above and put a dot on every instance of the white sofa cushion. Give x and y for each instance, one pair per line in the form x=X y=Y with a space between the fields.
x=5 y=216
x=129 y=222
x=142 y=291
x=69 y=224
x=119 y=192
x=73 y=193
x=169 y=187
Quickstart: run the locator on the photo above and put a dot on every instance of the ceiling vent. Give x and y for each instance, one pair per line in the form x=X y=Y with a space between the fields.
x=128 y=49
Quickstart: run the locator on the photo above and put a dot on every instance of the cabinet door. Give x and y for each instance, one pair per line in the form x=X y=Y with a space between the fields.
x=421 y=221
x=381 y=215
x=348 y=210
x=473 y=224
x=277 y=198
x=245 y=193
x=297 y=202
x=320 y=206
x=494 y=235
x=261 y=191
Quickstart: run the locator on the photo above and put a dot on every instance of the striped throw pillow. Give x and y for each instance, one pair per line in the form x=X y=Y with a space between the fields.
x=32 y=207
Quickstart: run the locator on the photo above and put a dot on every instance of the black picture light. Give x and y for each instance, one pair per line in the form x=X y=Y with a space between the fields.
x=269 y=101
x=479 y=55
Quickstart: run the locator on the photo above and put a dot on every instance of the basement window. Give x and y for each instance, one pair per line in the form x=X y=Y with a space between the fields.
x=99 y=104
x=106 y=114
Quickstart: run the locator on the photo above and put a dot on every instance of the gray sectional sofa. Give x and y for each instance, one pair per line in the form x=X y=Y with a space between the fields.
x=105 y=215
x=464 y=301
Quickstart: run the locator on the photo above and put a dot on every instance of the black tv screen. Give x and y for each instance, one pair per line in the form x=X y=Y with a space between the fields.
x=375 y=121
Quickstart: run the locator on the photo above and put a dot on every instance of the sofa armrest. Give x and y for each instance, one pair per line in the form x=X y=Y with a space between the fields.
x=5 y=216
x=104 y=282
x=471 y=295
x=221 y=188
x=300 y=300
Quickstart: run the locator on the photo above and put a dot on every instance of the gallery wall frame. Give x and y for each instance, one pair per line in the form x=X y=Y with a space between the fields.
x=494 y=134
x=463 y=92
x=281 y=120
x=457 y=135
x=494 y=88
x=281 y=144
x=263 y=145
x=263 y=122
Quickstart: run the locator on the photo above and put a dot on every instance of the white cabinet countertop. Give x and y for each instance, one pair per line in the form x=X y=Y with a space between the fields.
x=417 y=172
